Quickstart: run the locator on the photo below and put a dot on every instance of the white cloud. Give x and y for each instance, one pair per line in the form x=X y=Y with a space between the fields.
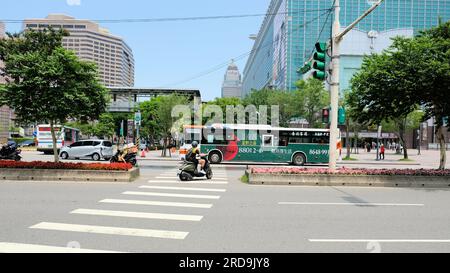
x=73 y=2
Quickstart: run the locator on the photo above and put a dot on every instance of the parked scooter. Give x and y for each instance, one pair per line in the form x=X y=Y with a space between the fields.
x=9 y=151
x=188 y=170
x=130 y=157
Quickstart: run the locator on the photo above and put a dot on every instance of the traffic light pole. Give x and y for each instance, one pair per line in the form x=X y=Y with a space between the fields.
x=334 y=86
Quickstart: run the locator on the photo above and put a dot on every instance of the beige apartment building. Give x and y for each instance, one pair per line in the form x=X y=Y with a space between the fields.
x=91 y=42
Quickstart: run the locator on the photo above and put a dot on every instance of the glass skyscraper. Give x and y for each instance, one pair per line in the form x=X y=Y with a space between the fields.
x=292 y=27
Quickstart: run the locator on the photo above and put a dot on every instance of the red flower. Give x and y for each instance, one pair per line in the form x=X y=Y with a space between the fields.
x=346 y=171
x=65 y=166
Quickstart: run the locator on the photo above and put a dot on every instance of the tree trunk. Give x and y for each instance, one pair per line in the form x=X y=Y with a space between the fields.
x=442 y=144
x=347 y=136
x=55 y=148
x=403 y=141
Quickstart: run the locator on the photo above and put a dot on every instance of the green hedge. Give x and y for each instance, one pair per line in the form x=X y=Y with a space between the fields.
x=20 y=139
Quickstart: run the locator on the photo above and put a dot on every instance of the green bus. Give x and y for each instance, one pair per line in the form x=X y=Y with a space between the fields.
x=261 y=143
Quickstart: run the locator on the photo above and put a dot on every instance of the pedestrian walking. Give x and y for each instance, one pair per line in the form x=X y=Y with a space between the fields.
x=382 y=150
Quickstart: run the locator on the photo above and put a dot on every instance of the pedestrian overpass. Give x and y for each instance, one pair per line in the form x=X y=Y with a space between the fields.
x=125 y=99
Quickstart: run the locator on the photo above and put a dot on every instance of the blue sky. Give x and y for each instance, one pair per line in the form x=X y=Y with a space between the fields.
x=165 y=52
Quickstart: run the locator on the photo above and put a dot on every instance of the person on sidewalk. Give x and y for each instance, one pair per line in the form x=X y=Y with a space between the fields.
x=382 y=150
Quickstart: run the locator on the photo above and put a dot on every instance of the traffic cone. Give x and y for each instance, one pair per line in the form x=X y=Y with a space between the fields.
x=143 y=153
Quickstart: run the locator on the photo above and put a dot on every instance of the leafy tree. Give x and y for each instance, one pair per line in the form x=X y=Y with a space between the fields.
x=149 y=125
x=105 y=126
x=288 y=107
x=222 y=103
x=311 y=97
x=47 y=83
x=413 y=71
x=157 y=117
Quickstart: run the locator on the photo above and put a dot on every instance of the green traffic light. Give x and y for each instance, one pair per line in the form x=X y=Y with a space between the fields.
x=321 y=47
x=319 y=56
x=319 y=65
x=320 y=75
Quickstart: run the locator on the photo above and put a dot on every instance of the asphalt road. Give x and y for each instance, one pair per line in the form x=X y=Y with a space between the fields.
x=160 y=214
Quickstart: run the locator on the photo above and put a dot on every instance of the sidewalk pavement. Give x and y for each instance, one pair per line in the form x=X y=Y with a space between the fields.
x=427 y=159
x=156 y=155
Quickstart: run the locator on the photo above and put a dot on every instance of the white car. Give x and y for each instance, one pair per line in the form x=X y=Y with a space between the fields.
x=96 y=149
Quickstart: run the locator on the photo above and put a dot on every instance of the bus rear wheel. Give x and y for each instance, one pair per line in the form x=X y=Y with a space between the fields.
x=299 y=159
x=214 y=157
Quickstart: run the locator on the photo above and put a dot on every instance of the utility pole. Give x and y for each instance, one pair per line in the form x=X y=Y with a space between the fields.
x=336 y=38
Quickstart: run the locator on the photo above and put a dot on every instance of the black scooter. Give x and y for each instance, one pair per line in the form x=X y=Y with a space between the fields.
x=10 y=152
x=188 y=170
x=129 y=158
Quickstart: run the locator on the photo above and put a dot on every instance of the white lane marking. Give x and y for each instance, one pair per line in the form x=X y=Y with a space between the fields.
x=377 y=240
x=219 y=178
x=166 y=177
x=172 y=195
x=187 y=182
x=144 y=215
x=349 y=204
x=174 y=177
x=157 y=203
x=165 y=234
x=182 y=188
x=30 y=248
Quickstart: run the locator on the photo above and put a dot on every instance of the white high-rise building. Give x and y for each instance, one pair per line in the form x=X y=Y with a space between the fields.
x=91 y=42
x=232 y=83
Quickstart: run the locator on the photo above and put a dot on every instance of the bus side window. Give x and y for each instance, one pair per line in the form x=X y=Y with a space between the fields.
x=283 y=142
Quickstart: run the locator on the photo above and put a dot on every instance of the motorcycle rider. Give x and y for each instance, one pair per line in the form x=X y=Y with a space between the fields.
x=130 y=148
x=194 y=156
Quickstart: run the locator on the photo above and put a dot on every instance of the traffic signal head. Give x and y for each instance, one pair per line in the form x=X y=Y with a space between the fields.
x=319 y=61
x=341 y=116
x=320 y=75
x=321 y=47
x=326 y=115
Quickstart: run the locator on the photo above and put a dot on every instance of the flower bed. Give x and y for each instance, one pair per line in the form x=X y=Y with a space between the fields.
x=65 y=166
x=347 y=171
x=417 y=178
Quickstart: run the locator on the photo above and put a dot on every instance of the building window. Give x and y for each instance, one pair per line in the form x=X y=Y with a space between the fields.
x=67 y=26
x=32 y=25
x=80 y=26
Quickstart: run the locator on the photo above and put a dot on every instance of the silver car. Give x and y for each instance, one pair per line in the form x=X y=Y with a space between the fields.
x=95 y=149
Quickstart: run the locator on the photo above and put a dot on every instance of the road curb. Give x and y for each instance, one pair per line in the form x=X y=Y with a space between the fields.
x=59 y=175
x=398 y=181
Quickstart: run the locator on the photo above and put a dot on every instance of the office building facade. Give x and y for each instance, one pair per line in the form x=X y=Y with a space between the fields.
x=90 y=42
x=232 y=82
x=288 y=33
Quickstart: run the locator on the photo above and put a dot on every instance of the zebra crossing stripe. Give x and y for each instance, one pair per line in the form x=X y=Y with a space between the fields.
x=31 y=248
x=144 y=215
x=157 y=203
x=182 y=188
x=172 y=195
x=208 y=182
x=153 y=233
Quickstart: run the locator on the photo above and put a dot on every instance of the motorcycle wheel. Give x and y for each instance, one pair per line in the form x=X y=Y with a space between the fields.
x=18 y=158
x=133 y=162
x=184 y=176
x=209 y=174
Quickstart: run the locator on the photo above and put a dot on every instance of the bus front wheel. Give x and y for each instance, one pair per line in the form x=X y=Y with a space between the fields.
x=299 y=159
x=215 y=157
